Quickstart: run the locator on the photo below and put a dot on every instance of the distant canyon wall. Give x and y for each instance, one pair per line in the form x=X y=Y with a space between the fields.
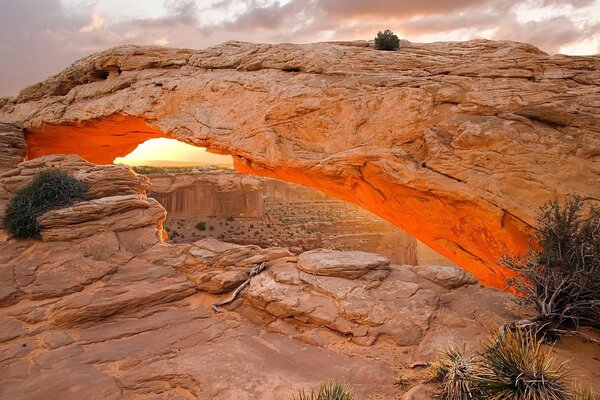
x=244 y=209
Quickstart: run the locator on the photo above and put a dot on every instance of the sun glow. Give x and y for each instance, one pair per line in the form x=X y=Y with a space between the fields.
x=171 y=152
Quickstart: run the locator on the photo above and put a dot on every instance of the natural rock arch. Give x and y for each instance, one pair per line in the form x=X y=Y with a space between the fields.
x=457 y=143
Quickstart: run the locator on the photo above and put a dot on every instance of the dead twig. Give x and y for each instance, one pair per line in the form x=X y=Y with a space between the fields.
x=255 y=271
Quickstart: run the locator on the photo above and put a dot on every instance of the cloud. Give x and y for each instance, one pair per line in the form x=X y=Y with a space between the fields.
x=97 y=22
x=40 y=37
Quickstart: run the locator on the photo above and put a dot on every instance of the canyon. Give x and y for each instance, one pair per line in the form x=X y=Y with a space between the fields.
x=236 y=208
x=458 y=144
x=453 y=145
x=103 y=307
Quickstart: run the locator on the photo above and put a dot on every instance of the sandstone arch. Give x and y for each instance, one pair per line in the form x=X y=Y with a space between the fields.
x=457 y=143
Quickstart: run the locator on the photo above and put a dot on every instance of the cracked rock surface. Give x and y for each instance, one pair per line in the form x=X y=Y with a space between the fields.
x=458 y=143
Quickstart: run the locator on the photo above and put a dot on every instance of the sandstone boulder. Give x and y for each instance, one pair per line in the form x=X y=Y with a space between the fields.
x=343 y=264
x=447 y=277
x=118 y=201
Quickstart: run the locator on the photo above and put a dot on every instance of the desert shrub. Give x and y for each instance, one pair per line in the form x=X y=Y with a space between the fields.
x=329 y=390
x=516 y=365
x=50 y=189
x=457 y=374
x=387 y=40
x=201 y=226
x=512 y=365
x=561 y=277
x=585 y=394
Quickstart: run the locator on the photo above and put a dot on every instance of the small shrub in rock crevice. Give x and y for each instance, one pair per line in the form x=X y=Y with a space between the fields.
x=387 y=40
x=50 y=189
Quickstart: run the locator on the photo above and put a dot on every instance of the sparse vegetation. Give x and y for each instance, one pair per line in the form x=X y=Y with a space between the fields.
x=512 y=365
x=401 y=380
x=230 y=218
x=50 y=189
x=387 y=40
x=585 y=394
x=201 y=226
x=154 y=170
x=561 y=277
x=456 y=373
x=329 y=390
x=516 y=365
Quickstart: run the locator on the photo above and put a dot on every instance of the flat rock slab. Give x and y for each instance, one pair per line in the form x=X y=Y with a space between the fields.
x=343 y=264
x=446 y=277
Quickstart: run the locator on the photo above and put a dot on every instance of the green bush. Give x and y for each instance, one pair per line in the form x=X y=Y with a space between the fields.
x=329 y=390
x=387 y=40
x=201 y=226
x=50 y=189
x=561 y=277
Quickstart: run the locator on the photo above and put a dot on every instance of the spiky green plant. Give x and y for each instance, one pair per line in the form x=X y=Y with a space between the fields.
x=517 y=366
x=50 y=189
x=329 y=390
x=457 y=374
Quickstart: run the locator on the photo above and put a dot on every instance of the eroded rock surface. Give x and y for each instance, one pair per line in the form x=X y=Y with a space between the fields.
x=117 y=313
x=458 y=143
x=132 y=325
x=118 y=200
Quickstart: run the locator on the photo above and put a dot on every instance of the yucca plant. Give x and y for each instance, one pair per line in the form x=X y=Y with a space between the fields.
x=584 y=394
x=516 y=365
x=457 y=374
x=329 y=390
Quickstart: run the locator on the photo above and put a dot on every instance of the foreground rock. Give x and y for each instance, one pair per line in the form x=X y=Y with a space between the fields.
x=457 y=143
x=118 y=201
x=89 y=318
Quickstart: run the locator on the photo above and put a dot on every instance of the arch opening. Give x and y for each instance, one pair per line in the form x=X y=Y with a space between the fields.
x=466 y=230
x=206 y=198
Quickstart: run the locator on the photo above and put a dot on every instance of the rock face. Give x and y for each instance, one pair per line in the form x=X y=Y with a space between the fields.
x=13 y=149
x=233 y=207
x=118 y=201
x=457 y=143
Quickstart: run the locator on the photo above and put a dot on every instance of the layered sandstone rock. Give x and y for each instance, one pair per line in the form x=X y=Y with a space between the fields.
x=13 y=148
x=118 y=201
x=458 y=143
x=90 y=317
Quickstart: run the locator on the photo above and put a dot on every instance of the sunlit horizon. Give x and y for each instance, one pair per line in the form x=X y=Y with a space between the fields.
x=171 y=150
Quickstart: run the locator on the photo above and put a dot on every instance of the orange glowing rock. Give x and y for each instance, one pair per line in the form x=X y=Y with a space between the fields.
x=99 y=141
x=457 y=143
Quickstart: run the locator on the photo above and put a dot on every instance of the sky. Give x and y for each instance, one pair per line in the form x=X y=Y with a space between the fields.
x=41 y=37
x=163 y=149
